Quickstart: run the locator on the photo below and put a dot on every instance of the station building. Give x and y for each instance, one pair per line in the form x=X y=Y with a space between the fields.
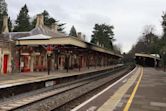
x=147 y=60
x=45 y=48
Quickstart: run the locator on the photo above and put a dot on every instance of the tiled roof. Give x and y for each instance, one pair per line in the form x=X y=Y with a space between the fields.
x=38 y=30
x=46 y=31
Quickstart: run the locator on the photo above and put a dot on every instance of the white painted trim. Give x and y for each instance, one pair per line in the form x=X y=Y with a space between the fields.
x=25 y=54
x=95 y=96
x=5 y=51
x=35 y=37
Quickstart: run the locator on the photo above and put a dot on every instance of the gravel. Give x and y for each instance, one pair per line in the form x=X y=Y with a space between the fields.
x=60 y=101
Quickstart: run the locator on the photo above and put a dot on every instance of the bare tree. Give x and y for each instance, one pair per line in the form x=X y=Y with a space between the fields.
x=148 y=34
x=148 y=29
x=147 y=43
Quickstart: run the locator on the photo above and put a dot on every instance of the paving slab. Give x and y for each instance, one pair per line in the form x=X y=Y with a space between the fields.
x=151 y=93
x=149 y=96
x=29 y=77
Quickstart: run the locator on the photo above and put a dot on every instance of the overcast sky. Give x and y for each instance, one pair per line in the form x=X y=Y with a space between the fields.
x=127 y=16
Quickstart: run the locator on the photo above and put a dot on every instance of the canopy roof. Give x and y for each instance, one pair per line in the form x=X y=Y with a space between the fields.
x=35 y=37
x=147 y=55
x=47 y=40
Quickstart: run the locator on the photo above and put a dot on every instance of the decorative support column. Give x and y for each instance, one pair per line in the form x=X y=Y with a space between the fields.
x=19 y=56
x=57 y=56
x=103 y=60
x=49 y=52
x=57 y=67
x=95 y=58
x=107 y=60
x=48 y=63
x=67 y=62
x=88 y=60
x=79 y=63
x=32 y=62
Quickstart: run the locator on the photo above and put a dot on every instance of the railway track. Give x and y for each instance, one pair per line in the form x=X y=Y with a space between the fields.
x=55 y=97
x=77 y=101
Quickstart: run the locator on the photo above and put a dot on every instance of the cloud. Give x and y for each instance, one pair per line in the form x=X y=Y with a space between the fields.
x=127 y=16
x=86 y=22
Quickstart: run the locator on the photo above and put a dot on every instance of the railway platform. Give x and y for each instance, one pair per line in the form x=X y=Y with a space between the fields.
x=28 y=77
x=18 y=83
x=148 y=95
x=143 y=89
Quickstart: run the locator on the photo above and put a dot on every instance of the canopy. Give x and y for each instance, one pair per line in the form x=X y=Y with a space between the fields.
x=35 y=37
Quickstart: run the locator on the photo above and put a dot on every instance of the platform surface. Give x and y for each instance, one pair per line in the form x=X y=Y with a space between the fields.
x=140 y=90
x=150 y=95
x=8 y=80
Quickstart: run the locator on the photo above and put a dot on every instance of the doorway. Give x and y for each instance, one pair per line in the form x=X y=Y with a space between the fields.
x=5 y=64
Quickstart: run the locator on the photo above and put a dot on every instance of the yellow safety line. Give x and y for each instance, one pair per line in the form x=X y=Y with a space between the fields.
x=133 y=93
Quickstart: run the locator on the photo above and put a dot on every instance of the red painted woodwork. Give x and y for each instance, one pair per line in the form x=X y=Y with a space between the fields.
x=5 y=64
x=49 y=48
x=26 y=62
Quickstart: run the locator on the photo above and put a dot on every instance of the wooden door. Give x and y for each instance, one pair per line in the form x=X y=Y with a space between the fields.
x=5 y=64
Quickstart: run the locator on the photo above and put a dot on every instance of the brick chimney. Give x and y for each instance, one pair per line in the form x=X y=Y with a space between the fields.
x=83 y=37
x=40 y=20
x=54 y=27
x=79 y=35
x=5 y=25
x=97 y=43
